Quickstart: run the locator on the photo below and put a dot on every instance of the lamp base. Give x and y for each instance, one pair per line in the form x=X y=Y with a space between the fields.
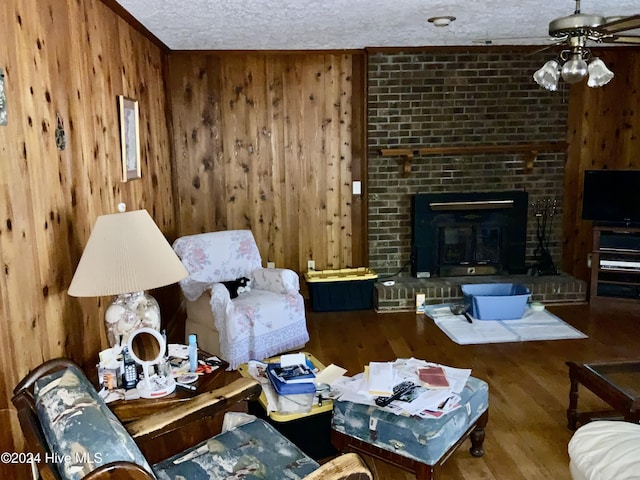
x=156 y=387
x=127 y=313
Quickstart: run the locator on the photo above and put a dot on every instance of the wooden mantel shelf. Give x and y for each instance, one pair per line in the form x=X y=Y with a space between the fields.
x=530 y=151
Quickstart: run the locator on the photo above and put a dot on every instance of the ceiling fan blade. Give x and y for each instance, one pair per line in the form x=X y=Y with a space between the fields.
x=634 y=39
x=540 y=50
x=626 y=23
x=544 y=49
x=501 y=40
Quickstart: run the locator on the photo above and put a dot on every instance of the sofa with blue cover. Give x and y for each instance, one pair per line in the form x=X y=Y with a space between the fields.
x=72 y=434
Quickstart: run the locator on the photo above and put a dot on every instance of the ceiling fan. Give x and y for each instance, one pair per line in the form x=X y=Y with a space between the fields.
x=574 y=31
x=579 y=27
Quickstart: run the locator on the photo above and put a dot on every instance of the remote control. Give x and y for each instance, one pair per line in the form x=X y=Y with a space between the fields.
x=398 y=391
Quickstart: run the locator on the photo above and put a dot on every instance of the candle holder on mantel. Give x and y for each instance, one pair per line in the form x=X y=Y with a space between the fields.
x=544 y=211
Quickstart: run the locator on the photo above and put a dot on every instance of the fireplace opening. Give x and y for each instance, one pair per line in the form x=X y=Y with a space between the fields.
x=480 y=233
x=463 y=247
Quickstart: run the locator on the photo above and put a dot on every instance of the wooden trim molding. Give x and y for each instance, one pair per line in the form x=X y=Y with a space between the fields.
x=529 y=150
x=135 y=24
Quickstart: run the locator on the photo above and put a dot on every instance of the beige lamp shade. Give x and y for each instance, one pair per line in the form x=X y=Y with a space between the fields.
x=126 y=253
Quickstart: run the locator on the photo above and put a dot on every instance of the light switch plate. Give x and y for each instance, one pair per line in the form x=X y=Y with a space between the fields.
x=357 y=187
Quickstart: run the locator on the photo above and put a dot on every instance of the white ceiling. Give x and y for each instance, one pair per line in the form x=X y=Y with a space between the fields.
x=355 y=24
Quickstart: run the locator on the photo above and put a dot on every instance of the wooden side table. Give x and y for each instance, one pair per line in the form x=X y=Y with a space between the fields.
x=128 y=410
x=617 y=383
x=159 y=448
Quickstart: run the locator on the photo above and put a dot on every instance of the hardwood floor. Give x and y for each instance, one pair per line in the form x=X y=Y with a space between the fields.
x=527 y=434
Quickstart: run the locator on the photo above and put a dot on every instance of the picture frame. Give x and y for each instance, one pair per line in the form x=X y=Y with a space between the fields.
x=128 y=112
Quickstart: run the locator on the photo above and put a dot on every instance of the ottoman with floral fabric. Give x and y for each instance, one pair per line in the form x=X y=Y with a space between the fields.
x=413 y=443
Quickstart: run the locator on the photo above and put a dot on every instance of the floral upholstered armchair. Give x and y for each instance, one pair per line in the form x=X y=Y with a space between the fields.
x=267 y=320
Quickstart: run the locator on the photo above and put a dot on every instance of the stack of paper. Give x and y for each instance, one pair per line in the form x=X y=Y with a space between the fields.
x=292 y=375
x=379 y=379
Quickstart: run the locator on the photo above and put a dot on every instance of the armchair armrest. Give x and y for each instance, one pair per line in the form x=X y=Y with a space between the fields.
x=221 y=304
x=348 y=466
x=279 y=280
x=204 y=405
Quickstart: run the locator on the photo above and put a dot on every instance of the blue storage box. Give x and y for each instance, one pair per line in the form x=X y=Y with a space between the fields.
x=496 y=301
x=340 y=290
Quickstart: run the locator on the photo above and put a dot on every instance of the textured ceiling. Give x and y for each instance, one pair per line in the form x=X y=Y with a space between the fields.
x=355 y=24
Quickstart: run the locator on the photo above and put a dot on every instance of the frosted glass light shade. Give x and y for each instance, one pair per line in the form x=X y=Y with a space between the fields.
x=574 y=69
x=548 y=76
x=599 y=74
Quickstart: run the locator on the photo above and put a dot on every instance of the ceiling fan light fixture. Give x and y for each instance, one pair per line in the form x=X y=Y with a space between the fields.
x=548 y=76
x=574 y=69
x=575 y=32
x=599 y=74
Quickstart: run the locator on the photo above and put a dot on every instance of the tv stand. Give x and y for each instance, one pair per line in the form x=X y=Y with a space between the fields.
x=615 y=264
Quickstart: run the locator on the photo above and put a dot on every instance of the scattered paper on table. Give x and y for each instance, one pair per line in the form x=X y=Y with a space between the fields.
x=291 y=359
x=330 y=374
x=381 y=378
x=421 y=401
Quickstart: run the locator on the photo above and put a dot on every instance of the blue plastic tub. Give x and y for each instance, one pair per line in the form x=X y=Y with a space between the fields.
x=496 y=301
x=338 y=290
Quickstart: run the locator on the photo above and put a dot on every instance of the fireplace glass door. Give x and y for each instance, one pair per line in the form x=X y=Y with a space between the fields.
x=468 y=233
x=465 y=248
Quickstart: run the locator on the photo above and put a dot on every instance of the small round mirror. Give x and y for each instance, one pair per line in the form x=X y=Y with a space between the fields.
x=146 y=346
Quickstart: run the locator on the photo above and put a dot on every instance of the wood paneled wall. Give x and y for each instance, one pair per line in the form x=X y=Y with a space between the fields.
x=265 y=141
x=603 y=132
x=71 y=58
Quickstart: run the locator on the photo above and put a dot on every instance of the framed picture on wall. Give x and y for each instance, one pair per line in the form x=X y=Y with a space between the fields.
x=129 y=138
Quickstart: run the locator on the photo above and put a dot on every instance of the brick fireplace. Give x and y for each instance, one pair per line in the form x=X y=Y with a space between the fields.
x=450 y=98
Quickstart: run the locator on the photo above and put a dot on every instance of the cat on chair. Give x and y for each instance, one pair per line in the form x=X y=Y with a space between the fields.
x=238 y=286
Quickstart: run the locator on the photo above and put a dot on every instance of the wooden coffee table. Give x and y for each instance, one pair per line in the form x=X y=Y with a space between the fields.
x=616 y=382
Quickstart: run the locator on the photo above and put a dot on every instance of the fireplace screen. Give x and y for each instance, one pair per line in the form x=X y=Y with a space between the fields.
x=464 y=246
x=481 y=233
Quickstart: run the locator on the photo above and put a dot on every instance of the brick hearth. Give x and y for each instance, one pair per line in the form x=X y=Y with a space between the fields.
x=555 y=289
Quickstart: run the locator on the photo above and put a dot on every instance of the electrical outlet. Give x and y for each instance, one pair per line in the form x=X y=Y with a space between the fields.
x=311 y=265
x=271 y=264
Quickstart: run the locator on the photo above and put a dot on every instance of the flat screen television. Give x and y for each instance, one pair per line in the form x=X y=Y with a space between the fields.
x=611 y=196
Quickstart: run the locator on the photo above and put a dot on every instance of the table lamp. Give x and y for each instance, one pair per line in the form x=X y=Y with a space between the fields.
x=125 y=255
